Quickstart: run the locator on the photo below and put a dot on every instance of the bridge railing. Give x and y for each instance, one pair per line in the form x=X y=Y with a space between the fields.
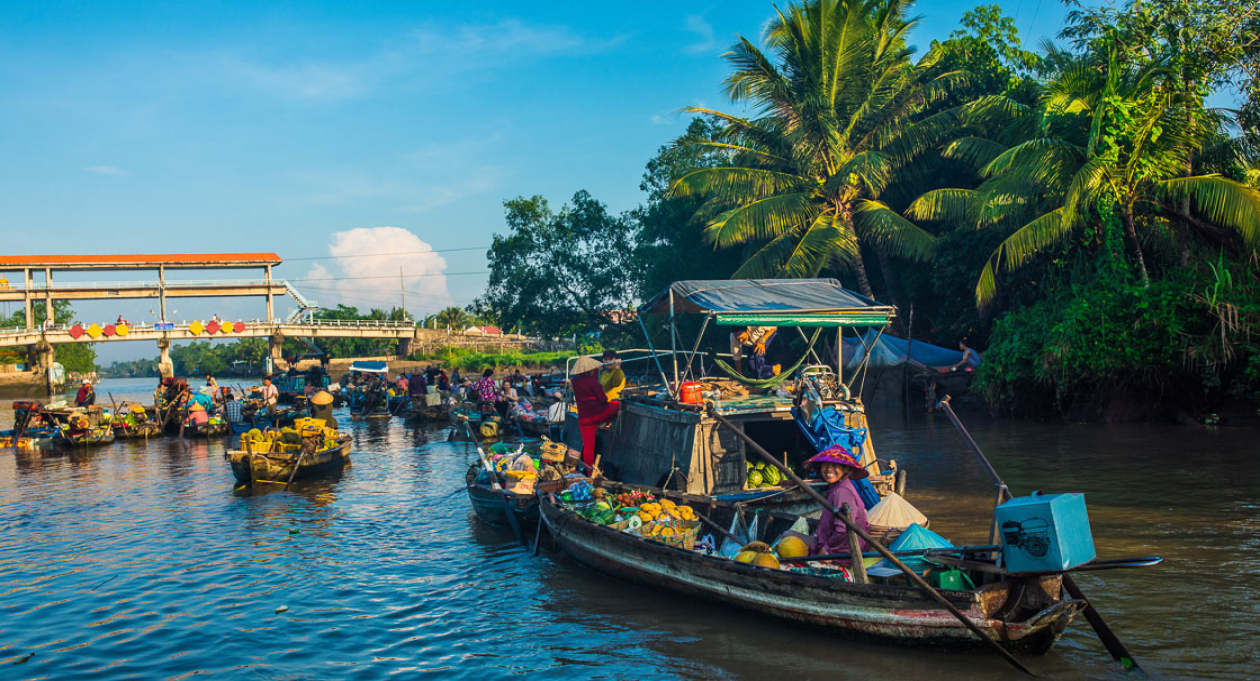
x=67 y=285
x=133 y=327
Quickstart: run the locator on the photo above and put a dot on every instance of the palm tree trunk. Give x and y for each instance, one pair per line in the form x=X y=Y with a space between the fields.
x=863 y=282
x=1130 y=236
x=890 y=279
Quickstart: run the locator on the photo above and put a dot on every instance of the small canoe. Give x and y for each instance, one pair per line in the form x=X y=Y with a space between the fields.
x=250 y=467
x=489 y=507
x=1022 y=614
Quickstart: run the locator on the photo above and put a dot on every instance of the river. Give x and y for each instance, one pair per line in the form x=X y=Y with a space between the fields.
x=138 y=560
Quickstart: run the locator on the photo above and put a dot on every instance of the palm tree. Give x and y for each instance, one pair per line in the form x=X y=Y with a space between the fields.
x=1106 y=144
x=452 y=318
x=839 y=109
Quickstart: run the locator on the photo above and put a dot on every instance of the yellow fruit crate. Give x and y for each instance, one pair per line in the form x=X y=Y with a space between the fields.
x=308 y=422
x=258 y=446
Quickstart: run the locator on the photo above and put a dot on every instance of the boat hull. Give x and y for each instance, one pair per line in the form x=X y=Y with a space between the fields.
x=901 y=615
x=248 y=468
x=488 y=506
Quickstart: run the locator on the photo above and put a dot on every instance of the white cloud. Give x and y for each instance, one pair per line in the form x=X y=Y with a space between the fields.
x=369 y=265
x=107 y=170
x=704 y=33
x=658 y=119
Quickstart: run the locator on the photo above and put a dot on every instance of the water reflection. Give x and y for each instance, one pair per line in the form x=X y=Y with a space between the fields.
x=142 y=560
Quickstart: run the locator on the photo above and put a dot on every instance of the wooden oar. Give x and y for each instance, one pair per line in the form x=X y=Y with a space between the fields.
x=870 y=541
x=494 y=485
x=301 y=455
x=1108 y=637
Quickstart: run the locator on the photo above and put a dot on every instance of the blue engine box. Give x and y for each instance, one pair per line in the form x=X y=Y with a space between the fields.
x=1044 y=532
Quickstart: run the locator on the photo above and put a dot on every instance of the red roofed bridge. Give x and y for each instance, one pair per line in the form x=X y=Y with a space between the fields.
x=37 y=285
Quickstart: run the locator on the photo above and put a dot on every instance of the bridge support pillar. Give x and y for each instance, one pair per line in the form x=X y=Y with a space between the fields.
x=276 y=348
x=166 y=368
x=404 y=347
x=45 y=357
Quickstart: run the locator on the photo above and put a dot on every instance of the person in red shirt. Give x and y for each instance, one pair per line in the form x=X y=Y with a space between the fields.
x=593 y=406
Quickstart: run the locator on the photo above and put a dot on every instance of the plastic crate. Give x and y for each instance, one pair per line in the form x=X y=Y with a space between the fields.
x=1045 y=533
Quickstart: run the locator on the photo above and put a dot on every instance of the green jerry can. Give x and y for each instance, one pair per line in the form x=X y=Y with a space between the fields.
x=1045 y=532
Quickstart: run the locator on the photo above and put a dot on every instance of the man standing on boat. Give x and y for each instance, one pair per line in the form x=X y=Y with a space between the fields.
x=752 y=342
x=232 y=410
x=594 y=408
x=270 y=395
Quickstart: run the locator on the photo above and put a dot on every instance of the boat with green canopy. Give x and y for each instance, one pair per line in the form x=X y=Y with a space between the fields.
x=663 y=438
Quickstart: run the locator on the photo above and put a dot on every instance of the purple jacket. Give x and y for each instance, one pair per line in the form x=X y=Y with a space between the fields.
x=832 y=534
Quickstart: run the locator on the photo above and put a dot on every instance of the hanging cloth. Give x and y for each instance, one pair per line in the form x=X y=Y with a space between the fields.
x=773 y=381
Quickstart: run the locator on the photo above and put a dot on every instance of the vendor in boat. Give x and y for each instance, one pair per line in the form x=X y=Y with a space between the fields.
x=751 y=343
x=232 y=409
x=970 y=360
x=612 y=378
x=485 y=391
x=838 y=468
x=594 y=408
x=270 y=394
x=86 y=396
x=197 y=415
x=322 y=408
x=443 y=381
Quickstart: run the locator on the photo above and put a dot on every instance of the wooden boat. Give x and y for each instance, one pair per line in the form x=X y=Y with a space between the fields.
x=663 y=437
x=207 y=430
x=489 y=507
x=125 y=431
x=250 y=467
x=30 y=439
x=1024 y=614
x=90 y=437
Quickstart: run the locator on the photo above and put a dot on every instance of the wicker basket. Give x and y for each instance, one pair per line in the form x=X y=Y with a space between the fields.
x=885 y=535
x=685 y=533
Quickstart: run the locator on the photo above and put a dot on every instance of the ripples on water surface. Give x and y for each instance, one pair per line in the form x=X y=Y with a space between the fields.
x=139 y=561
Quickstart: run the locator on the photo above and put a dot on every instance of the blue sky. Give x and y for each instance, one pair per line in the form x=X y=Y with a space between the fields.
x=299 y=128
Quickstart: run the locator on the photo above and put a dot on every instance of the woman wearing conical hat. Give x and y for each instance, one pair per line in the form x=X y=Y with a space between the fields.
x=321 y=408
x=593 y=406
x=838 y=468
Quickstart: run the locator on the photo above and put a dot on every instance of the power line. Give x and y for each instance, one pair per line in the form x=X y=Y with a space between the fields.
x=378 y=255
x=390 y=276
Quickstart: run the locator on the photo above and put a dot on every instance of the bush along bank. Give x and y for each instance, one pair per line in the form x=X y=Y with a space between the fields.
x=1109 y=349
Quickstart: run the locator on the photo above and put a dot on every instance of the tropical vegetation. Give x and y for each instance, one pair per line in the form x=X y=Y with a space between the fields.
x=1087 y=212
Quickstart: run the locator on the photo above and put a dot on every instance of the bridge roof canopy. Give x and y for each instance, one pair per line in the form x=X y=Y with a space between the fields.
x=141 y=261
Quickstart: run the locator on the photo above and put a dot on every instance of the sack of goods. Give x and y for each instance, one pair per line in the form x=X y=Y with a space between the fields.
x=891 y=516
x=553 y=451
x=521 y=475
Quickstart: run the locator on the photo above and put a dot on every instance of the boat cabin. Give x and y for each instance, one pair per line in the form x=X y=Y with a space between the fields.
x=663 y=435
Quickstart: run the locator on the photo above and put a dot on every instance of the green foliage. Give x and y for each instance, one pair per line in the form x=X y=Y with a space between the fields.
x=839 y=110
x=75 y=357
x=470 y=360
x=559 y=272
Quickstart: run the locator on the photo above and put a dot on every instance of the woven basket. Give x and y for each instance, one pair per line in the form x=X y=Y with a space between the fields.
x=685 y=533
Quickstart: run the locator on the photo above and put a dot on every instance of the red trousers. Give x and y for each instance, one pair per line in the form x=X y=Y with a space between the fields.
x=589 y=426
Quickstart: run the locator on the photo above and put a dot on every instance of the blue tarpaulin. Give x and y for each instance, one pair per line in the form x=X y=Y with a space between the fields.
x=889 y=351
x=370 y=366
x=827 y=428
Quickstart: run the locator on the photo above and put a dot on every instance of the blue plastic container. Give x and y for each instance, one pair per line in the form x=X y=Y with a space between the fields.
x=1045 y=533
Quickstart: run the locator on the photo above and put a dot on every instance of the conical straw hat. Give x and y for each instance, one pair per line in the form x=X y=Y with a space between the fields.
x=585 y=364
x=321 y=398
x=894 y=511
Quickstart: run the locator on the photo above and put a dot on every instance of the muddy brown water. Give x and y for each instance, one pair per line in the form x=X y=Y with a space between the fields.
x=138 y=560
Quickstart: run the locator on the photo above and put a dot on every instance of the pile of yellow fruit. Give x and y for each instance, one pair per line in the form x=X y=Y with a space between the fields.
x=664 y=518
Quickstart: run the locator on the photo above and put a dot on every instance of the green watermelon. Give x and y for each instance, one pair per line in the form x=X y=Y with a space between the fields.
x=754 y=478
x=772 y=476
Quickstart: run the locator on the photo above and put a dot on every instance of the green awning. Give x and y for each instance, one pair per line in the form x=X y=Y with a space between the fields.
x=864 y=318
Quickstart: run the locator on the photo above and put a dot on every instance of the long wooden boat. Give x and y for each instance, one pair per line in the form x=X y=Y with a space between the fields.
x=250 y=467
x=1024 y=614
